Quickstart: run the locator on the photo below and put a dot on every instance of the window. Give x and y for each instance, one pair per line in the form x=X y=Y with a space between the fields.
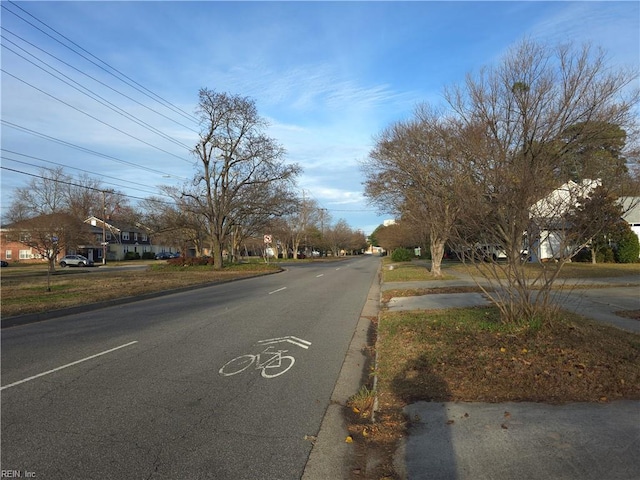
x=25 y=254
x=144 y=237
x=135 y=236
x=7 y=254
x=125 y=235
x=108 y=236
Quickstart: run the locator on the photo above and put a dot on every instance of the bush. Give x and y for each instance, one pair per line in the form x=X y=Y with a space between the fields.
x=402 y=255
x=190 y=261
x=605 y=255
x=132 y=256
x=148 y=256
x=628 y=248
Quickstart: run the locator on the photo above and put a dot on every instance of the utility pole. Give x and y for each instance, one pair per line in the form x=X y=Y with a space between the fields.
x=104 y=228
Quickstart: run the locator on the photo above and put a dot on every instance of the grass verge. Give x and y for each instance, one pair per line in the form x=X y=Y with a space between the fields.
x=26 y=292
x=469 y=355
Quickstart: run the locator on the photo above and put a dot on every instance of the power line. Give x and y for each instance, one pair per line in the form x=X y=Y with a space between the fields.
x=94 y=96
x=130 y=82
x=86 y=150
x=98 y=80
x=93 y=117
x=73 y=168
x=85 y=186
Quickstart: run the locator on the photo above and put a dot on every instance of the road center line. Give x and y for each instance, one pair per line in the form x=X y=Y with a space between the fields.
x=278 y=290
x=67 y=365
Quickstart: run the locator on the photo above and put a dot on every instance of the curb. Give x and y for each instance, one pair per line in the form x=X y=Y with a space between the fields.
x=331 y=457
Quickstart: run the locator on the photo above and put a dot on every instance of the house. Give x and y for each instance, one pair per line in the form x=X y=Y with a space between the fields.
x=631 y=215
x=113 y=239
x=546 y=240
x=13 y=251
x=116 y=240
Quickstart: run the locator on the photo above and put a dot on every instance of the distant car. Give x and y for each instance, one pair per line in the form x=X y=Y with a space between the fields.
x=75 y=261
x=3 y=263
x=163 y=256
x=175 y=255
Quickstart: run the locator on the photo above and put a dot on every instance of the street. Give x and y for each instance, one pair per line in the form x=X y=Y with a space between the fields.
x=223 y=382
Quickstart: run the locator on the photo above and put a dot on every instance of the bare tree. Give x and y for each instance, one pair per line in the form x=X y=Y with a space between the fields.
x=49 y=235
x=237 y=161
x=524 y=109
x=43 y=195
x=415 y=171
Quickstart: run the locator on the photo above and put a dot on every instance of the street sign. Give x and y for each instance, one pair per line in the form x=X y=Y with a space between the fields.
x=267 y=239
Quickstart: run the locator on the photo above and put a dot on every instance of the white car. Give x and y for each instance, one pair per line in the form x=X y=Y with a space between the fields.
x=75 y=261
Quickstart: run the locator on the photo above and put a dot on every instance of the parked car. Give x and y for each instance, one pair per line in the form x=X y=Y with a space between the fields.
x=75 y=261
x=3 y=263
x=163 y=256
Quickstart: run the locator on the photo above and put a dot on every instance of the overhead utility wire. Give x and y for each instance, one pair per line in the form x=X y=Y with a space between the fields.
x=86 y=150
x=74 y=168
x=93 y=117
x=157 y=98
x=99 y=81
x=84 y=186
x=94 y=96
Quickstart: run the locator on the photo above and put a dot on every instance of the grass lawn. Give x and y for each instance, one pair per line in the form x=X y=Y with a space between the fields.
x=24 y=289
x=469 y=355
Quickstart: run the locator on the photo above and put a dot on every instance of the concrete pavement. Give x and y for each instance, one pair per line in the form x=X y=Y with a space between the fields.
x=504 y=441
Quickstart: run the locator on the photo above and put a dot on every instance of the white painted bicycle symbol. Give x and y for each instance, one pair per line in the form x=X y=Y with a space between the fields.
x=272 y=363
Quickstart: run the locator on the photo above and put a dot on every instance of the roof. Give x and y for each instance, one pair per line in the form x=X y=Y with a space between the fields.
x=563 y=199
x=631 y=209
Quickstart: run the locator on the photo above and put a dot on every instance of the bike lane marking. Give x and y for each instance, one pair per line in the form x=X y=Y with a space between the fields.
x=290 y=338
x=48 y=372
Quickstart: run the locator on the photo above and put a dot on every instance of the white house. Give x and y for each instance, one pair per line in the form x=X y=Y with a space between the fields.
x=547 y=214
x=631 y=215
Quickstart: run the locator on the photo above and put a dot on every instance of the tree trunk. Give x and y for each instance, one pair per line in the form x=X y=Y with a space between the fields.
x=216 y=252
x=437 y=254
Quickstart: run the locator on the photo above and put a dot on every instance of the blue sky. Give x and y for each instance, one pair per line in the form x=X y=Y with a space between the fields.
x=328 y=76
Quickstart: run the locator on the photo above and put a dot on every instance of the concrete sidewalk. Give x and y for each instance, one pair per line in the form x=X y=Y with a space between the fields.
x=505 y=441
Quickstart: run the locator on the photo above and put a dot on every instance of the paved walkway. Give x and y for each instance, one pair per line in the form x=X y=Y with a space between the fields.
x=504 y=441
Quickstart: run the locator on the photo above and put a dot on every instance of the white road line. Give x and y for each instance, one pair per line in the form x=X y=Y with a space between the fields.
x=321 y=275
x=278 y=290
x=67 y=365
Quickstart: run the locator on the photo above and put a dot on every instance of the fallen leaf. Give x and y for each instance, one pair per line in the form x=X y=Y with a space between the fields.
x=505 y=426
x=502 y=349
x=349 y=439
x=356 y=410
x=449 y=422
x=507 y=415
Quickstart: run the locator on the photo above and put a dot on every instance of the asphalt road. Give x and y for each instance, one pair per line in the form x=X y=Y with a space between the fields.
x=136 y=391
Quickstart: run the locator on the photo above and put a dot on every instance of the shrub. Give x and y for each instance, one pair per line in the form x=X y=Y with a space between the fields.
x=402 y=255
x=628 y=248
x=605 y=255
x=132 y=256
x=148 y=256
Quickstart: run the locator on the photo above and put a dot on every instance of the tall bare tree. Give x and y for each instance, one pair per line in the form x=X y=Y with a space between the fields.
x=413 y=171
x=238 y=161
x=524 y=108
x=49 y=235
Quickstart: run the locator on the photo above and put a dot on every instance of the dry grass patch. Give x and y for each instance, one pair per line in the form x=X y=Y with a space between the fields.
x=413 y=292
x=468 y=355
x=22 y=294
